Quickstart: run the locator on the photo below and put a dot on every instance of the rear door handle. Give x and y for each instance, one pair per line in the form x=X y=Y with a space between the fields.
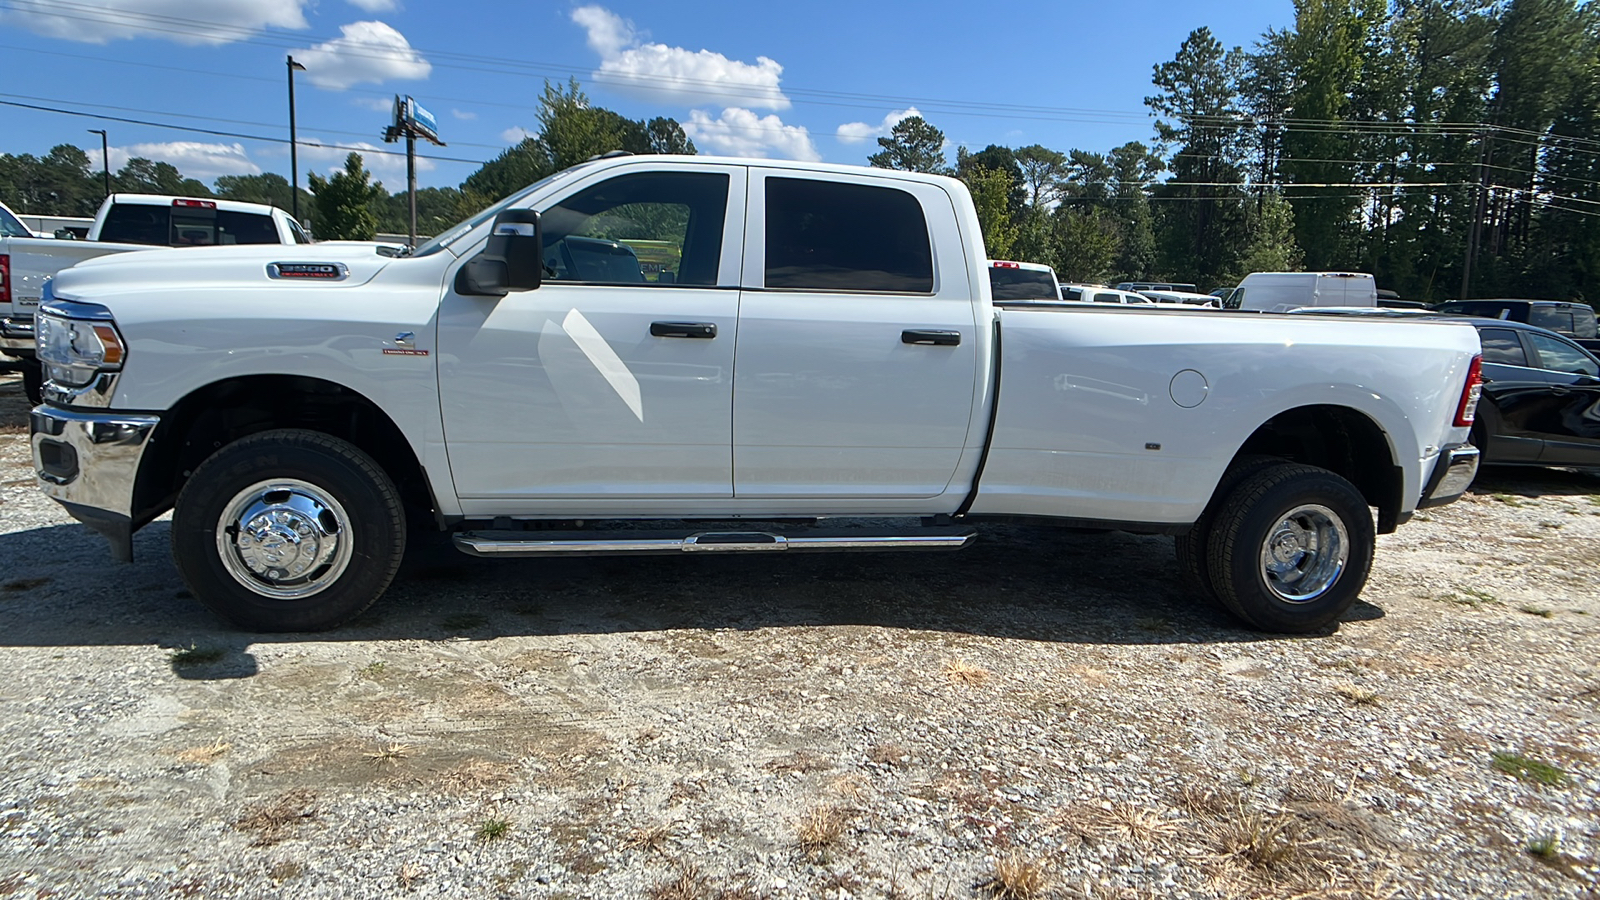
x=935 y=338
x=705 y=330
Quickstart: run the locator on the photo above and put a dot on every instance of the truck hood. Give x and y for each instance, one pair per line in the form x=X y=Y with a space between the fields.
x=185 y=267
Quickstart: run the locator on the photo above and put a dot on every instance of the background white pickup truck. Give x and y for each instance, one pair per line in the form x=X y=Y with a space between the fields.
x=810 y=343
x=123 y=223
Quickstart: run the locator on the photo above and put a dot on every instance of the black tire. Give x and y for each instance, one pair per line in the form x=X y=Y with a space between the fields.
x=1253 y=512
x=33 y=380
x=280 y=479
x=1193 y=568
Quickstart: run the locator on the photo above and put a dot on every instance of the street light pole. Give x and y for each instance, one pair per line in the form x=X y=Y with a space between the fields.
x=105 y=158
x=294 y=159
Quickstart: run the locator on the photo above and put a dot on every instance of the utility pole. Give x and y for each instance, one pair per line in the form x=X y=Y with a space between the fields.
x=1479 y=202
x=294 y=159
x=105 y=158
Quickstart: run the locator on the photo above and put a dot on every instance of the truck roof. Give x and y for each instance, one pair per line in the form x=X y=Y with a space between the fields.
x=216 y=203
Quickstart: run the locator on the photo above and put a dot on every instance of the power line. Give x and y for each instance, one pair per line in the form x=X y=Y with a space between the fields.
x=233 y=134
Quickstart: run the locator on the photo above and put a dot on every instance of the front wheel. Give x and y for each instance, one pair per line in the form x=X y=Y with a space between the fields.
x=288 y=530
x=1290 y=549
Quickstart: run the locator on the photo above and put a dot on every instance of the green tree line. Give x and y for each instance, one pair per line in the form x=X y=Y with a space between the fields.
x=1450 y=147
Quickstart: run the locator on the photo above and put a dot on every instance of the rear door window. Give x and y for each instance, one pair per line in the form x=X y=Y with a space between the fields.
x=1107 y=297
x=832 y=236
x=1500 y=345
x=137 y=223
x=1022 y=284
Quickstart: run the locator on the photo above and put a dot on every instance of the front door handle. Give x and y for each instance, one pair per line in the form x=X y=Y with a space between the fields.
x=1560 y=390
x=935 y=338
x=705 y=330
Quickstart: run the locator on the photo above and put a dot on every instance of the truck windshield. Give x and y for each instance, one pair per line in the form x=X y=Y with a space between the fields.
x=11 y=226
x=1022 y=284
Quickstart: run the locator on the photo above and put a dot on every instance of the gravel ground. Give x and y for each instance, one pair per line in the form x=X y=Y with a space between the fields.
x=1045 y=715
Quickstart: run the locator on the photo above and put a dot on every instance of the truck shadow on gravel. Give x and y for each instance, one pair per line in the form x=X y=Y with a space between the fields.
x=1025 y=583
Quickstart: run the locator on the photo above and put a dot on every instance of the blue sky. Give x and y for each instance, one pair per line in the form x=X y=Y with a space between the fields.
x=807 y=80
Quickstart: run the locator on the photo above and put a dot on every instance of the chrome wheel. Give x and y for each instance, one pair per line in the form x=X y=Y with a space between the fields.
x=284 y=539
x=1304 y=553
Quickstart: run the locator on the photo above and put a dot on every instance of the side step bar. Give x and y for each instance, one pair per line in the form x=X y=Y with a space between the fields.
x=634 y=543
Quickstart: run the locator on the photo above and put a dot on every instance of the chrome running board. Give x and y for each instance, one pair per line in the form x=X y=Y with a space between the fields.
x=634 y=543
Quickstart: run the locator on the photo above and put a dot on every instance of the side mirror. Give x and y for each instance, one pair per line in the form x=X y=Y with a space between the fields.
x=513 y=259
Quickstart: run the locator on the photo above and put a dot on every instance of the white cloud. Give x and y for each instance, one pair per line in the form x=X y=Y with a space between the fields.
x=383 y=162
x=378 y=104
x=376 y=6
x=368 y=51
x=516 y=134
x=740 y=132
x=463 y=114
x=859 y=132
x=110 y=20
x=193 y=159
x=674 y=74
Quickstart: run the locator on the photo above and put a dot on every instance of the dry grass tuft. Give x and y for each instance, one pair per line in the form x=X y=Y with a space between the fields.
x=888 y=755
x=650 y=837
x=819 y=829
x=410 y=873
x=272 y=820
x=1015 y=877
x=1267 y=842
x=850 y=787
x=1360 y=696
x=802 y=761
x=204 y=755
x=1204 y=803
x=962 y=672
x=1133 y=823
x=389 y=754
x=689 y=883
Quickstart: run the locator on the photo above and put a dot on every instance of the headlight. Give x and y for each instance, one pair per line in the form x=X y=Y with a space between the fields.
x=76 y=341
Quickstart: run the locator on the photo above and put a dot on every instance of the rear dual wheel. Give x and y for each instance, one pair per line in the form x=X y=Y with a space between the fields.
x=1289 y=548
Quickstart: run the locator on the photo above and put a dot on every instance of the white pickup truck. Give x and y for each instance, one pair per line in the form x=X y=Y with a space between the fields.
x=819 y=348
x=125 y=222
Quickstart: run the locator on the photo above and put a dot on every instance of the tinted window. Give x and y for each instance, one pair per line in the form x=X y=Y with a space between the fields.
x=826 y=236
x=1104 y=297
x=1072 y=293
x=245 y=228
x=1583 y=323
x=137 y=223
x=1022 y=284
x=646 y=228
x=1235 y=299
x=1559 y=356
x=1552 y=317
x=10 y=226
x=298 y=232
x=1500 y=345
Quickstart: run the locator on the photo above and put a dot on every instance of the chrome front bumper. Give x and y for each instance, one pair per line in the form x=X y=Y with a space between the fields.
x=16 y=333
x=1452 y=474
x=88 y=462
